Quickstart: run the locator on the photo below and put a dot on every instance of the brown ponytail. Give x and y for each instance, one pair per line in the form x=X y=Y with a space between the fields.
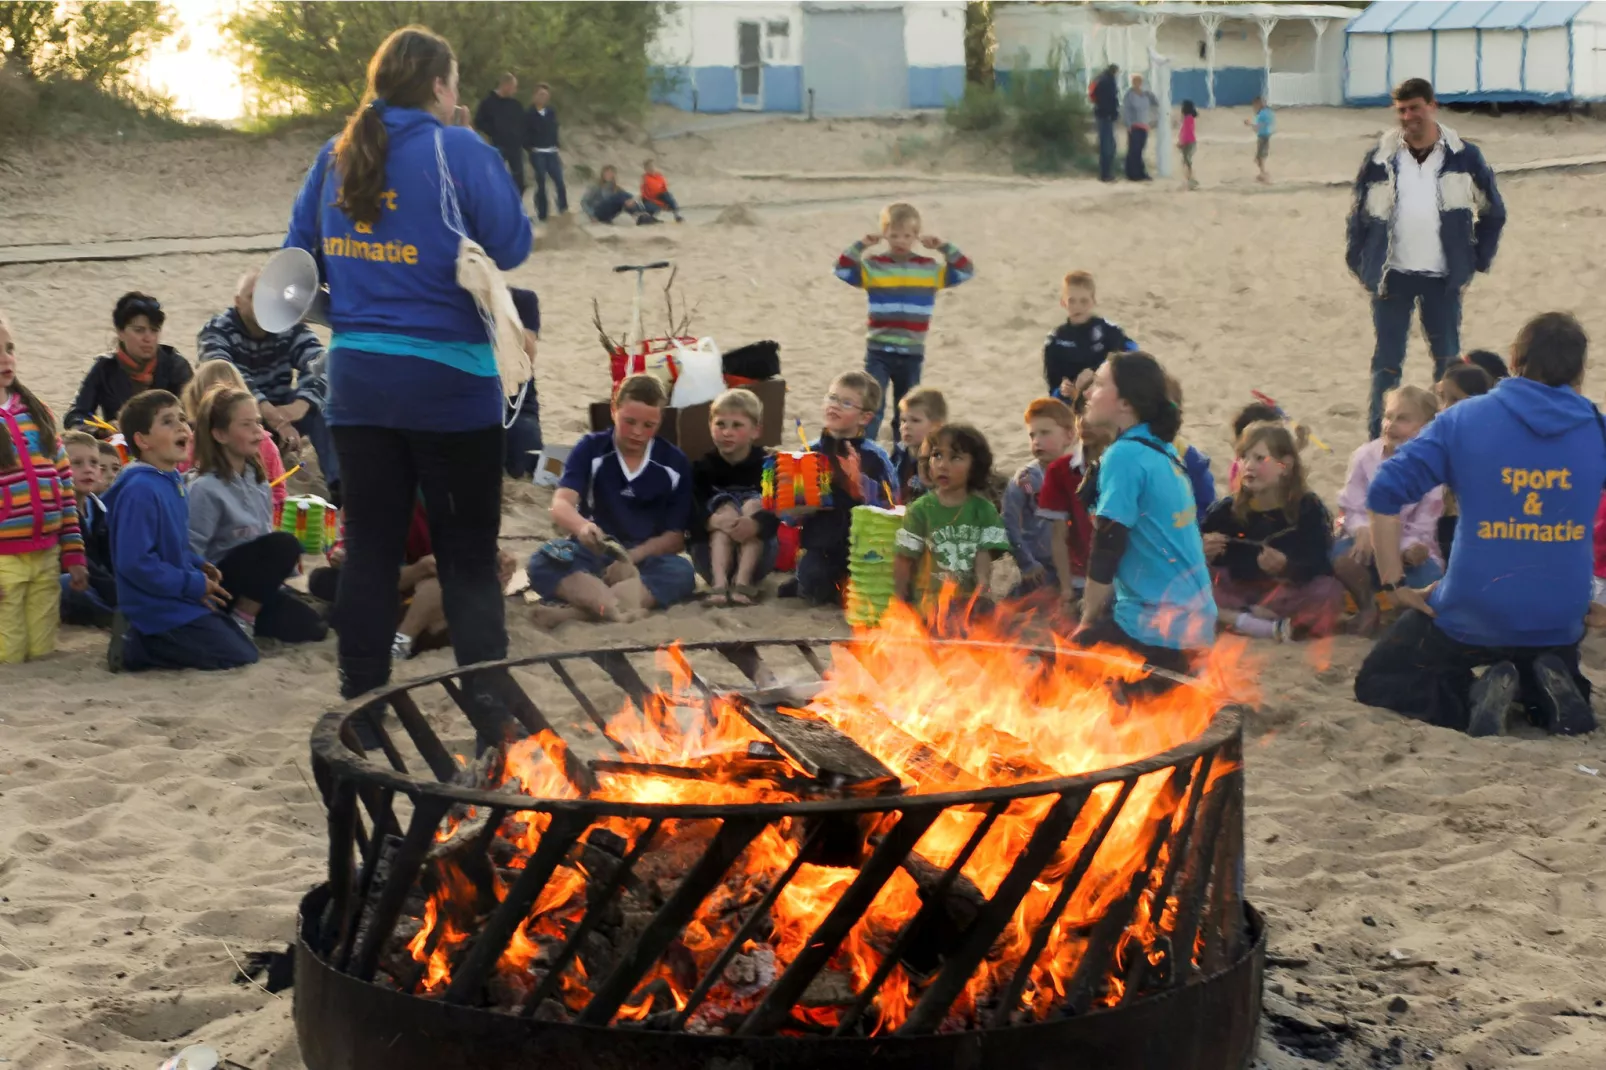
x=401 y=74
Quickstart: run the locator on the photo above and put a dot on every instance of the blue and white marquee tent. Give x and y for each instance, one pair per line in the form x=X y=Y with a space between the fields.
x=1483 y=50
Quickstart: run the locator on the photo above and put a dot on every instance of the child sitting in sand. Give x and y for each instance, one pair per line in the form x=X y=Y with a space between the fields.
x=170 y=600
x=231 y=522
x=951 y=534
x=921 y=412
x=655 y=195
x=1270 y=545
x=1051 y=428
x=1194 y=460
x=39 y=533
x=859 y=472
x=1080 y=344
x=111 y=463
x=623 y=508
x=214 y=375
x=1067 y=500
x=605 y=201
x=91 y=608
x=731 y=525
x=1460 y=382
x=902 y=289
x=1492 y=364
x=1262 y=412
x=1407 y=410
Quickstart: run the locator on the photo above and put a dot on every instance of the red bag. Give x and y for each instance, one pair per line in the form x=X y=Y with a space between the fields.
x=622 y=362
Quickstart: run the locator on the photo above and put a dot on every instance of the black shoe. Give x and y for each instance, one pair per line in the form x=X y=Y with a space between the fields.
x=1565 y=709
x=787 y=589
x=114 y=649
x=1492 y=696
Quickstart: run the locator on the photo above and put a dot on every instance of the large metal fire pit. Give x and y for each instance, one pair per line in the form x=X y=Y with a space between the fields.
x=1167 y=974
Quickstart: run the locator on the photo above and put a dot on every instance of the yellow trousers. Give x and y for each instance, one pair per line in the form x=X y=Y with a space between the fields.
x=30 y=604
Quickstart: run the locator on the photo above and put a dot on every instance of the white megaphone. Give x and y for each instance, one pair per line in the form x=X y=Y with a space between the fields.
x=287 y=292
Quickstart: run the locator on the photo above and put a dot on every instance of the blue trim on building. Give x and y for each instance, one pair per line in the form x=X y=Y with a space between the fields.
x=1191 y=84
x=783 y=88
x=935 y=87
x=1488 y=96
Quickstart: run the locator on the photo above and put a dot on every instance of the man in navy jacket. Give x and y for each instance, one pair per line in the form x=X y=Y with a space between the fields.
x=1427 y=215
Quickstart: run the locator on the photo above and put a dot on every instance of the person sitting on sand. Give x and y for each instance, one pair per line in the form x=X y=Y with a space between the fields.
x=731 y=525
x=283 y=371
x=622 y=509
x=1461 y=381
x=217 y=375
x=1526 y=463
x=1270 y=545
x=604 y=201
x=655 y=195
x=952 y=533
x=91 y=608
x=1147 y=565
x=1406 y=411
x=139 y=362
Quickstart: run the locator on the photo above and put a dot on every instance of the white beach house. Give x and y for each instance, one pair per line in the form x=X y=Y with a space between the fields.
x=829 y=59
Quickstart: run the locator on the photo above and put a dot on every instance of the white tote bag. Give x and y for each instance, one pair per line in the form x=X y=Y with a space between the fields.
x=478 y=274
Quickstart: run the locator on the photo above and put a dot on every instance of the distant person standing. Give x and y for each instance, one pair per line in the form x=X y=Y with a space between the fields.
x=501 y=119
x=1138 y=111
x=1427 y=215
x=541 y=138
x=1106 y=97
x=1265 y=123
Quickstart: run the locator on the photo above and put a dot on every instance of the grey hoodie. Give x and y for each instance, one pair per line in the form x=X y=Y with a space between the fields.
x=1139 y=108
x=225 y=513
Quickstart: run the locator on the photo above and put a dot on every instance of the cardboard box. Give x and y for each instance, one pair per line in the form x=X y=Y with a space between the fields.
x=688 y=428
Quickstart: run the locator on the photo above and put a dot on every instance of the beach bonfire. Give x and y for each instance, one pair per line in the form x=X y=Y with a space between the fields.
x=890 y=850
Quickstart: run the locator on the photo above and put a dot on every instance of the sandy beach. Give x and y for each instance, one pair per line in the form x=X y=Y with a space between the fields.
x=153 y=825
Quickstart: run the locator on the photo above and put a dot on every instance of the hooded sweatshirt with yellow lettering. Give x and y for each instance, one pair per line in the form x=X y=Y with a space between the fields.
x=1527 y=463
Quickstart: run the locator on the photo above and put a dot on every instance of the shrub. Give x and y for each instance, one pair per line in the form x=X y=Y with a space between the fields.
x=980 y=109
x=1041 y=124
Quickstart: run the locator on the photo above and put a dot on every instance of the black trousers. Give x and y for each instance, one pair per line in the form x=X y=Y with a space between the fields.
x=257 y=570
x=460 y=475
x=514 y=157
x=1108 y=633
x=1136 y=138
x=1417 y=670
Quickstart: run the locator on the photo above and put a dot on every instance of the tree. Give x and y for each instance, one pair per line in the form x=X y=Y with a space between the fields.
x=980 y=42
x=94 y=42
x=313 y=57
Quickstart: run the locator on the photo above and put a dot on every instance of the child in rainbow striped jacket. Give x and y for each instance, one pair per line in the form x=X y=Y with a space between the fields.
x=902 y=287
x=39 y=534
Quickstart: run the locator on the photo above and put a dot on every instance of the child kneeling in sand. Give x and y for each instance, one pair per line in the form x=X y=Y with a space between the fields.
x=1406 y=411
x=1270 y=545
x=624 y=506
x=951 y=534
x=170 y=601
x=727 y=486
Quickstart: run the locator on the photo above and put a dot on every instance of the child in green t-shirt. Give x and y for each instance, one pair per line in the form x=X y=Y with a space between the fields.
x=951 y=532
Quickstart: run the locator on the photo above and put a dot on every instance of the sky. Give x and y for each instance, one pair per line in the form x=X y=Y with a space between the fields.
x=193 y=65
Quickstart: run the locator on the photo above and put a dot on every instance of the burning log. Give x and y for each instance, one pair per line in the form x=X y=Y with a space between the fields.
x=822 y=752
x=942 y=930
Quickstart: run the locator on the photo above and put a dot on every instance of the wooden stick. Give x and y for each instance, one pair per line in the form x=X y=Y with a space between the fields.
x=286 y=476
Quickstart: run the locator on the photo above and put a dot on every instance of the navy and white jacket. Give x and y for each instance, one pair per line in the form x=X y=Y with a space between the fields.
x=1471 y=213
x=277 y=368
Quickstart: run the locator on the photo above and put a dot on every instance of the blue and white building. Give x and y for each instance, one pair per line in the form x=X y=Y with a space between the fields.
x=1484 y=51
x=1220 y=55
x=827 y=59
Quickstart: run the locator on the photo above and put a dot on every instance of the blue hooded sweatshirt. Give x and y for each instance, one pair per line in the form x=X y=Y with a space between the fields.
x=409 y=348
x=159 y=579
x=1526 y=463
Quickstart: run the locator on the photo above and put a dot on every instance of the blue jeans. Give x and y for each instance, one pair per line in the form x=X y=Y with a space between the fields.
x=1106 y=149
x=208 y=643
x=669 y=203
x=821 y=576
x=91 y=608
x=316 y=431
x=548 y=164
x=669 y=578
x=608 y=208
x=1418 y=576
x=902 y=370
x=1391 y=318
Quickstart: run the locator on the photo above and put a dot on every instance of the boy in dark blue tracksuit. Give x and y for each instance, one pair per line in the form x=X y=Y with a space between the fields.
x=1526 y=462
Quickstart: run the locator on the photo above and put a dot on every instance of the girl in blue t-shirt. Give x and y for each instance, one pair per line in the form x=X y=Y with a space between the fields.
x=1147 y=566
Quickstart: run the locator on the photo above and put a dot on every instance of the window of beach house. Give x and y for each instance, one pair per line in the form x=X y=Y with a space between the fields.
x=777 y=40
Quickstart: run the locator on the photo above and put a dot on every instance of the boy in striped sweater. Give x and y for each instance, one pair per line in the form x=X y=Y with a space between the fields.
x=902 y=286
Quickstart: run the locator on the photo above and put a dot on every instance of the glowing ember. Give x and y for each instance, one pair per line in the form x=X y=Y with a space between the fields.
x=943 y=717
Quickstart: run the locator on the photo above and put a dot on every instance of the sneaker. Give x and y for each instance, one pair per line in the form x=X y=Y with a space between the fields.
x=1492 y=696
x=401 y=647
x=1283 y=631
x=114 y=650
x=1565 y=709
x=247 y=625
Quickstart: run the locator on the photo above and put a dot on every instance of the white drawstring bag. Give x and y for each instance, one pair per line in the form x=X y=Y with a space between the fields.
x=478 y=274
x=702 y=374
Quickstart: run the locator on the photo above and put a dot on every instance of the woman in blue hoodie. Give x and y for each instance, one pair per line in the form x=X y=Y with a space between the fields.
x=1526 y=463
x=415 y=398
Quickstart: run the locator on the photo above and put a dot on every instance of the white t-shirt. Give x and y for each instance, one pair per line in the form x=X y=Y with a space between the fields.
x=1415 y=245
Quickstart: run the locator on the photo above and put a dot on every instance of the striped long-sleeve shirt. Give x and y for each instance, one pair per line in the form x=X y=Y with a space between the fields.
x=902 y=292
x=37 y=508
x=278 y=368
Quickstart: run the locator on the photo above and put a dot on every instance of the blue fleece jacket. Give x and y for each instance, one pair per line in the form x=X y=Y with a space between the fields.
x=1526 y=463
x=1471 y=213
x=409 y=348
x=159 y=579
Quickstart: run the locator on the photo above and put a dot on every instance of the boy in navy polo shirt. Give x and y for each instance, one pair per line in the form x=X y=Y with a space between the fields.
x=629 y=488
